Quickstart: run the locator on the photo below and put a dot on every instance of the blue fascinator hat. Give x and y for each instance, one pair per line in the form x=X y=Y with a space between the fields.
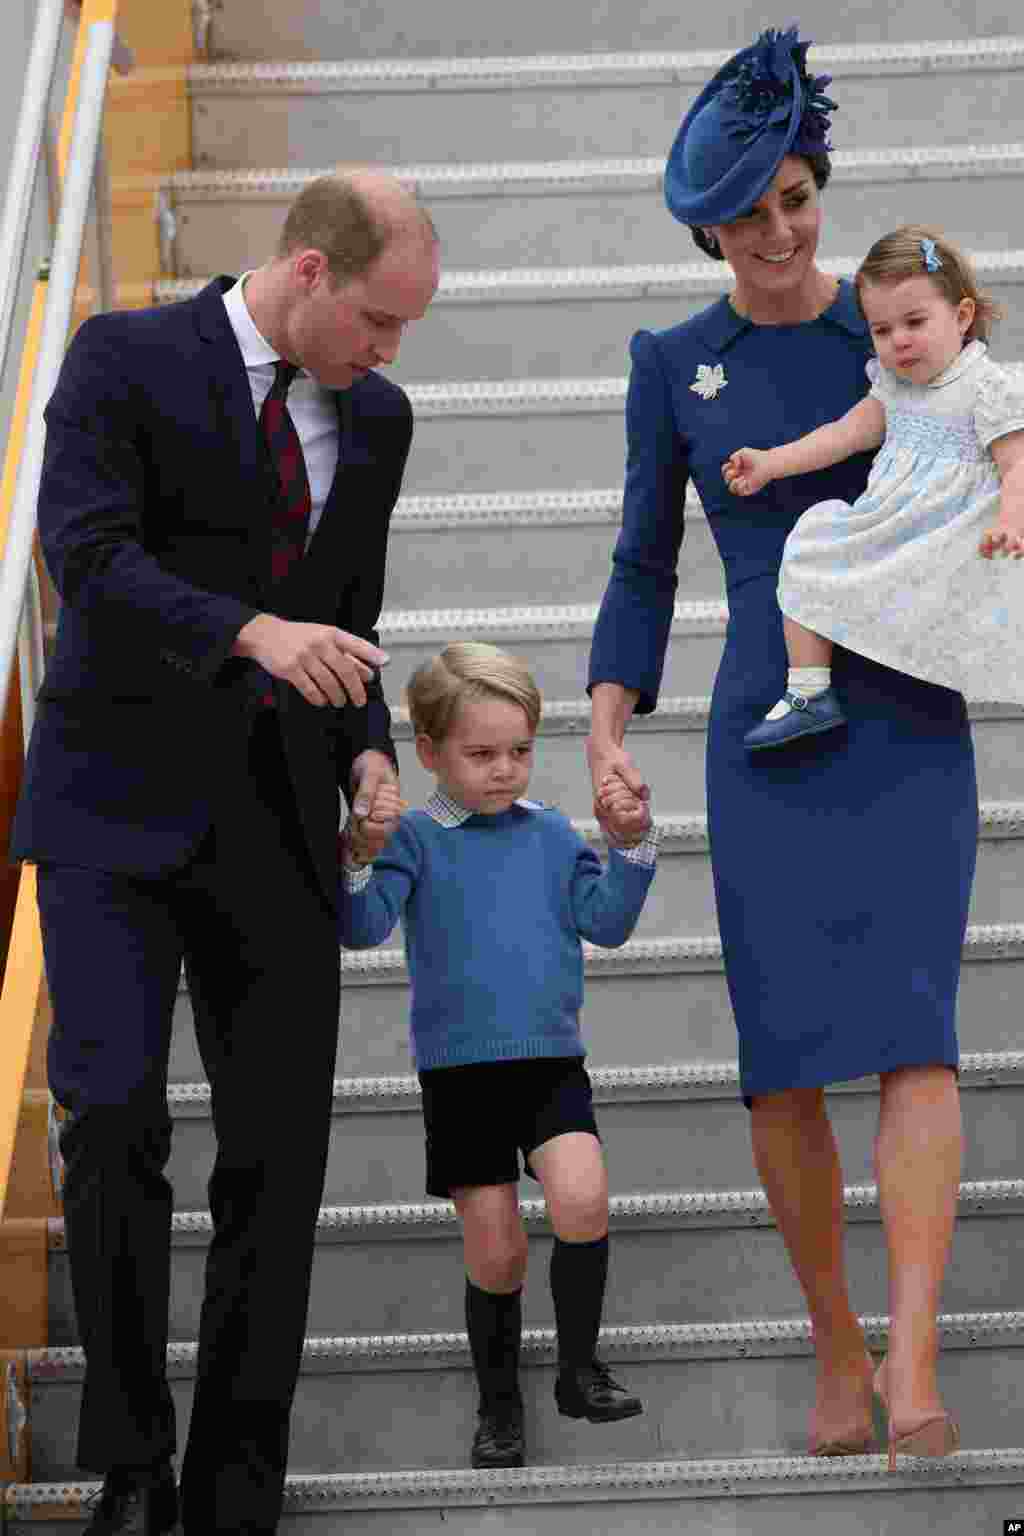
x=761 y=106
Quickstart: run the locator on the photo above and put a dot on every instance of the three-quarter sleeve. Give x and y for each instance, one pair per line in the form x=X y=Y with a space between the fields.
x=999 y=406
x=633 y=625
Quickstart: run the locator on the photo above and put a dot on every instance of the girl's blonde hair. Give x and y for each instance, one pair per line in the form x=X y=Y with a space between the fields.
x=902 y=254
x=468 y=670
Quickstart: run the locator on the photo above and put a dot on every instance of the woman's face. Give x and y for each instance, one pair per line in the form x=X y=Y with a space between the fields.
x=772 y=248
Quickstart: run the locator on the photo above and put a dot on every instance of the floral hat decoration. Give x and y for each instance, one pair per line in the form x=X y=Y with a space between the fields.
x=761 y=106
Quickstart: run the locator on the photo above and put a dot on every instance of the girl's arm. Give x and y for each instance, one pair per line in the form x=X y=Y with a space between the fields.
x=861 y=430
x=1006 y=536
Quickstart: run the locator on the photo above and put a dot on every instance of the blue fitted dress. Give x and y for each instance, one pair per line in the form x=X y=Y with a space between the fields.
x=843 y=865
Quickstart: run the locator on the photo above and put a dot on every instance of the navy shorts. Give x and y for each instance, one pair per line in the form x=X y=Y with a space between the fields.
x=478 y=1118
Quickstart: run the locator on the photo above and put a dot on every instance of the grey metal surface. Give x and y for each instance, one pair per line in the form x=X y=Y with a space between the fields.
x=685 y=1014
x=410 y=1402
x=588 y=213
x=660 y=1130
x=385 y=1269
x=531 y=109
x=310 y=30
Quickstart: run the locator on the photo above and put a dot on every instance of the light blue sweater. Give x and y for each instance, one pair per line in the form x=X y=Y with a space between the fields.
x=493 y=912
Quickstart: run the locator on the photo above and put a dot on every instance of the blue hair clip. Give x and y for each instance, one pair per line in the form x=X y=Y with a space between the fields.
x=932 y=260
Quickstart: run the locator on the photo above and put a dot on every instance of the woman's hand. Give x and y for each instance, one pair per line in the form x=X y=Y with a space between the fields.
x=367 y=836
x=624 y=817
x=609 y=763
x=748 y=470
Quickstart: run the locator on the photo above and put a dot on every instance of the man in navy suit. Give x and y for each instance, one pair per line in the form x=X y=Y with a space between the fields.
x=216 y=524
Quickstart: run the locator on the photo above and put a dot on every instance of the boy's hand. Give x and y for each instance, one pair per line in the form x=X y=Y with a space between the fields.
x=623 y=816
x=1005 y=537
x=365 y=837
x=747 y=470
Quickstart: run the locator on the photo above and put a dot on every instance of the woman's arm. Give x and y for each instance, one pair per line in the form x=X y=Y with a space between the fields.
x=1006 y=536
x=861 y=430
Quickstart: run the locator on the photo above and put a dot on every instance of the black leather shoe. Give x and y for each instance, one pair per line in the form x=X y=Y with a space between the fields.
x=498 y=1442
x=150 y=1509
x=590 y=1392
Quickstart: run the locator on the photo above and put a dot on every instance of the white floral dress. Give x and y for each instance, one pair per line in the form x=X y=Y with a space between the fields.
x=897 y=576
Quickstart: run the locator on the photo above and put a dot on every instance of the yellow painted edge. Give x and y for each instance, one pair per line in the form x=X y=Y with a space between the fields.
x=18 y=1002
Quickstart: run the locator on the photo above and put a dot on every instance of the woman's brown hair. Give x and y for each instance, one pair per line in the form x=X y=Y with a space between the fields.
x=905 y=253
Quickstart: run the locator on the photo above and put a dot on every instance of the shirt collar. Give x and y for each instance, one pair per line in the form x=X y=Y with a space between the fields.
x=721 y=324
x=449 y=813
x=255 y=348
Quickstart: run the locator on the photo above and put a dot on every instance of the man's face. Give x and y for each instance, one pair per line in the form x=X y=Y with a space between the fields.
x=338 y=333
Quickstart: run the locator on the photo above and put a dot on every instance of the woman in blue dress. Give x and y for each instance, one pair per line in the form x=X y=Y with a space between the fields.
x=842 y=870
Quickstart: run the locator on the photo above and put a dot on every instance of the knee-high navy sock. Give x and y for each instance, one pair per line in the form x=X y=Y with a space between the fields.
x=579 y=1274
x=494 y=1323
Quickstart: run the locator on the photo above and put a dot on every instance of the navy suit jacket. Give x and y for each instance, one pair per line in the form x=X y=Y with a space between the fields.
x=155 y=513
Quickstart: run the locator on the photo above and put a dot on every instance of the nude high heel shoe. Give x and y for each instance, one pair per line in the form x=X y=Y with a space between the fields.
x=937 y=1436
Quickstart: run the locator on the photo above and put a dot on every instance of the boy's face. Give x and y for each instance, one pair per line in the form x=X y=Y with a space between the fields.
x=484 y=762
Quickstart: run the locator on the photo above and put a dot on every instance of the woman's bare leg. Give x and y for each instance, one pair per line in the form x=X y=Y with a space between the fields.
x=804 y=647
x=918 y=1153
x=796 y=1157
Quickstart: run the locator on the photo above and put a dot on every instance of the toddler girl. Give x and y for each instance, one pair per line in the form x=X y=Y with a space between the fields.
x=896 y=576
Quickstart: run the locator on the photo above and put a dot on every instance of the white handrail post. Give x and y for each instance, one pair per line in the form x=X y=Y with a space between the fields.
x=21 y=182
x=67 y=250
x=31 y=652
x=102 y=238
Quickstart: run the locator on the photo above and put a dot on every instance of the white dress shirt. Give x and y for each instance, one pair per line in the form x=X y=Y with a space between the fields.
x=312 y=408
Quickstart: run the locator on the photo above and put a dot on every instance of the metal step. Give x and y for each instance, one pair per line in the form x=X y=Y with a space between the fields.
x=309 y=30
x=669 y=746
x=589 y=105
x=588 y=212
x=371 y=1404
x=577 y=321
x=398 y=1267
x=685 y=1018
x=658 y=1125
x=972 y=1492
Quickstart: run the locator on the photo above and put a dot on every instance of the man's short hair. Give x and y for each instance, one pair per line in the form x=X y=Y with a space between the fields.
x=331 y=215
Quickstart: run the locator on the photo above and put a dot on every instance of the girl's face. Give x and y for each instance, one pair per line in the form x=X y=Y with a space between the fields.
x=484 y=761
x=772 y=248
x=916 y=330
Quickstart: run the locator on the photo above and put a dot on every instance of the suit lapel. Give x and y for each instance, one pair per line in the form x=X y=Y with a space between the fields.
x=231 y=398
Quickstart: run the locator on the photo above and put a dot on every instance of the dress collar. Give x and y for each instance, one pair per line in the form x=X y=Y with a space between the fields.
x=971 y=354
x=721 y=324
x=449 y=813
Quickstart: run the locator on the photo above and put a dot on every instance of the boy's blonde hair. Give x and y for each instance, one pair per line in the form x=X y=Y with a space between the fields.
x=464 y=670
x=901 y=254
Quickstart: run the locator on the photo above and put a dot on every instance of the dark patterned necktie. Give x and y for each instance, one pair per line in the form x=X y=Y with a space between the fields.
x=290 y=522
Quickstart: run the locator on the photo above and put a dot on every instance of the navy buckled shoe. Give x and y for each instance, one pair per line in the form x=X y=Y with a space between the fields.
x=806 y=717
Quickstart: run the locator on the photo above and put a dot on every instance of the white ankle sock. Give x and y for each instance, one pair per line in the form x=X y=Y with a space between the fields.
x=808 y=682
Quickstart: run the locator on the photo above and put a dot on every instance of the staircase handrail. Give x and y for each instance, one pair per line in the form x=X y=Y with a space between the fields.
x=20 y=617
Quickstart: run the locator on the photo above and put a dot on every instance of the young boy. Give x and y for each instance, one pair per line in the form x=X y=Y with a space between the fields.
x=495 y=892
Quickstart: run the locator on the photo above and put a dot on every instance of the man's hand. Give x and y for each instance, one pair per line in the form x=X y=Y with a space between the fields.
x=624 y=817
x=748 y=470
x=326 y=665
x=365 y=837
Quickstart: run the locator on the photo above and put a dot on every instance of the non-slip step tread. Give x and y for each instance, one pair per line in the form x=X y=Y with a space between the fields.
x=983 y=941
x=636 y=173
x=575 y=70
x=688 y=1209
x=637 y=281
x=612 y=1085
x=765 y=1338
x=711 y=1478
